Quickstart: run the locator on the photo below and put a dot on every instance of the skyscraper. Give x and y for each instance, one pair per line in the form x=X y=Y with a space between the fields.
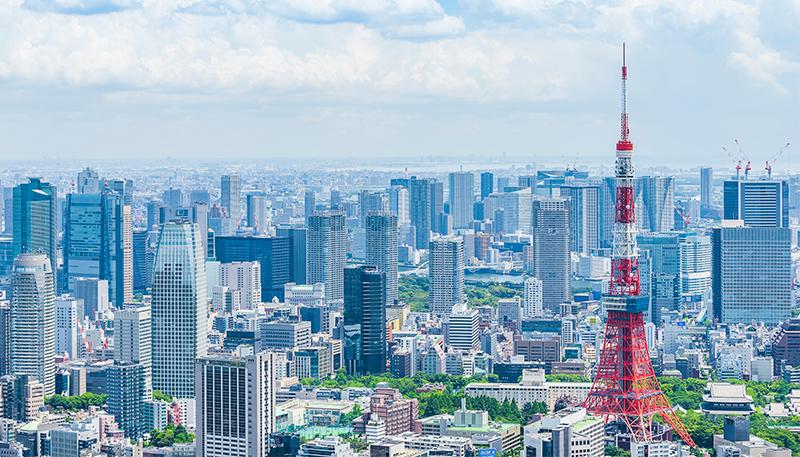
x=33 y=320
x=309 y=203
x=706 y=187
x=696 y=267
x=658 y=197
x=230 y=197
x=125 y=384
x=551 y=235
x=235 y=405
x=98 y=243
x=398 y=204
x=759 y=203
x=382 y=249
x=67 y=313
x=584 y=216
x=461 y=195
x=272 y=253
x=133 y=342
x=371 y=202
x=533 y=298
x=179 y=309
x=446 y=274
x=143 y=258
x=298 y=255
x=463 y=328
x=244 y=277
x=751 y=274
x=88 y=181
x=36 y=220
x=257 y=213
x=94 y=294
x=420 y=210
x=365 y=320
x=487 y=184
x=437 y=204
x=665 y=273
x=327 y=252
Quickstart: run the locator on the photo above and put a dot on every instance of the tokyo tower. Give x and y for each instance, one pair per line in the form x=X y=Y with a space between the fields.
x=625 y=387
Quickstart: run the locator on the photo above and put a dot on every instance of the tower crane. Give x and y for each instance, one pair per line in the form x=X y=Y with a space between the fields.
x=771 y=161
x=734 y=160
x=747 y=166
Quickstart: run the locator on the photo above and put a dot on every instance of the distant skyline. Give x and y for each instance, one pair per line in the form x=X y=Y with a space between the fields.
x=237 y=80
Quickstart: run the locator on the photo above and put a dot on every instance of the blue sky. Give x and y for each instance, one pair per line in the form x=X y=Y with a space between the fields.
x=341 y=79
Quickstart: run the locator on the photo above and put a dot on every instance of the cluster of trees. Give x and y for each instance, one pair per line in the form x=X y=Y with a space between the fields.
x=685 y=392
x=507 y=411
x=169 y=436
x=348 y=418
x=414 y=290
x=159 y=395
x=75 y=402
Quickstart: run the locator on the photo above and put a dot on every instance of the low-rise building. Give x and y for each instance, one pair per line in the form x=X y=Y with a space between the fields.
x=570 y=432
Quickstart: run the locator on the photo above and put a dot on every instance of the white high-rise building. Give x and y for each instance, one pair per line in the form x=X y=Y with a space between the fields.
x=381 y=243
x=327 y=252
x=244 y=277
x=463 y=328
x=33 y=320
x=696 y=266
x=133 y=340
x=533 y=298
x=179 y=308
x=461 y=196
x=235 y=405
x=88 y=181
x=67 y=326
x=398 y=204
x=446 y=274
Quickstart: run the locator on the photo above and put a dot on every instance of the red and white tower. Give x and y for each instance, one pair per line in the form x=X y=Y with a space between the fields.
x=625 y=387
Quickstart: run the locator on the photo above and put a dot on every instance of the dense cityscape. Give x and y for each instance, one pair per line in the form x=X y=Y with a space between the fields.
x=448 y=309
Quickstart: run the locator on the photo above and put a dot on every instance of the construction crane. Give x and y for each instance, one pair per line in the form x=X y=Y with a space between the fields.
x=747 y=166
x=771 y=161
x=686 y=220
x=734 y=160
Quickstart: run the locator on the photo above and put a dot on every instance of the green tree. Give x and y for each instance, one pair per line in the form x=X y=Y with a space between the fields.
x=159 y=395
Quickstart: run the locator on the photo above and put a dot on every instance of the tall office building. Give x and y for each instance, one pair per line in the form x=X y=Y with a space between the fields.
x=33 y=320
x=382 y=249
x=8 y=210
x=706 y=187
x=751 y=274
x=658 y=197
x=437 y=205
x=327 y=252
x=273 y=253
x=463 y=329
x=5 y=338
x=336 y=199
x=759 y=203
x=179 y=309
x=371 y=202
x=143 y=257
x=399 y=204
x=172 y=198
x=298 y=255
x=36 y=220
x=98 y=243
x=309 y=203
x=133 y=342
x=257 y=213
x=584 y=216
x=551 y=250
x=533 y=298
x=461 y=195
x=196 y=212
x=420 y=210
x=230 y=197
x=200 y=196
x=511 y=211
x=364 y=320
x=487 y=184
x=665 y=271
x=126 y=387
x=88 y=182
x=235 y=405
x=244 y=277
x=93 y=293
x=67 y=313
x=446 y=274
x=696 y=267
